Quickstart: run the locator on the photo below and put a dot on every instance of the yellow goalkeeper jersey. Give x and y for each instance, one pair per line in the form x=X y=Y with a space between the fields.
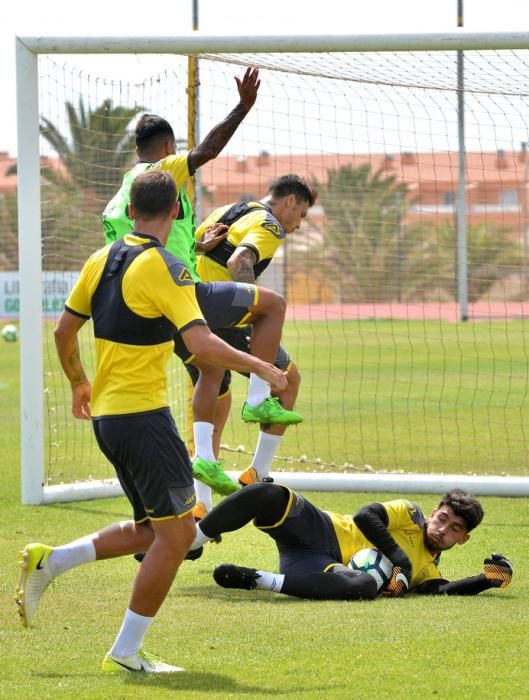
x=406 y=526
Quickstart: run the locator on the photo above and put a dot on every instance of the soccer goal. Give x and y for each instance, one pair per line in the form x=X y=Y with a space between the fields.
x=394 y=383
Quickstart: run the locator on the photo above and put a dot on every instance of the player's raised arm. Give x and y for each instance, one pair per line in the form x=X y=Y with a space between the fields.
x=218 y=137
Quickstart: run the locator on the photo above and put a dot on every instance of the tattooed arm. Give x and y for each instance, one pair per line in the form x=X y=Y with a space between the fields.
x=241 y=265
x=219 y=136
x=67 y=344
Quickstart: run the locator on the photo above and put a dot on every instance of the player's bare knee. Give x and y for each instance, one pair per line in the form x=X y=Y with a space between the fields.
x=145 y=532
x=188 y=530
x=272 y=303
x=175 y=534
x=280 y=305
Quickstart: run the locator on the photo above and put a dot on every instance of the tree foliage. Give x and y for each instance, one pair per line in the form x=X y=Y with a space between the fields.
x=492 y=254
x=9 y=231
x=364 y=245
x=98 y=148
x=70 y=231
x=373 y=253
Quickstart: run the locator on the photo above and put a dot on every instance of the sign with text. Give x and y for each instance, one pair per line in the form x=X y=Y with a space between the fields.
x=55 y=289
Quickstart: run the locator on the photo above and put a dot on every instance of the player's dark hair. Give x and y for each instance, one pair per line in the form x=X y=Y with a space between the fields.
x=153 y=194
x=464 y=505
x=151 y=130
x=292 y=184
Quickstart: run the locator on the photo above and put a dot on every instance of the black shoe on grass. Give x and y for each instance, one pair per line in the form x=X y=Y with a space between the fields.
x=231 y=576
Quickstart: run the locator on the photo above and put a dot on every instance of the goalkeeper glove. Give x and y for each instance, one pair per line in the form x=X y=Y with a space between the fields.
x=398 y=583
x=498 y=569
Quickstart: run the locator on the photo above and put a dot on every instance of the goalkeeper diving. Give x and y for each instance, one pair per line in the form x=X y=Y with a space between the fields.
x=315 y=546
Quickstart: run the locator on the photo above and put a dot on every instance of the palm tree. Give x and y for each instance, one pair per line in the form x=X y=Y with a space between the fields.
x=366 y=245
x=372 y=256
x=492 y=254
x=69 y=231
x=99 y=148
x=9 y=231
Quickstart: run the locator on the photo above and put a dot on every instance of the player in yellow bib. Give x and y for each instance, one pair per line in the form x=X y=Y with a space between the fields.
x=315 y=546
x=254 y=233
x=137 y=295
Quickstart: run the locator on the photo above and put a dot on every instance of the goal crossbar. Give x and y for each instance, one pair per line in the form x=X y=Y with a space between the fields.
x=197 y=43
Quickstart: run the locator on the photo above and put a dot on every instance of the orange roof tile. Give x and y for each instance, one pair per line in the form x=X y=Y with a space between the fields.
x=252 y=174
x=255 y=172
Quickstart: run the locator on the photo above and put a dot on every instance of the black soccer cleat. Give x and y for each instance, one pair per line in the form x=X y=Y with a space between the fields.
x=194 y=554
x=139 y=556
x=231 y=576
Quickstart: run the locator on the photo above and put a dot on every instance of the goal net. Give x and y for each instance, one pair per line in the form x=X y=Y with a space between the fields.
x=392 y=380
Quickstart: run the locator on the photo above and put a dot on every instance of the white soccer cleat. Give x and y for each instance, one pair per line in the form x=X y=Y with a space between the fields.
x=34 y=579
x=140 y=662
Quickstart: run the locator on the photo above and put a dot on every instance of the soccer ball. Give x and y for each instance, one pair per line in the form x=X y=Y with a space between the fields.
x=9 y=333
x=374 y=563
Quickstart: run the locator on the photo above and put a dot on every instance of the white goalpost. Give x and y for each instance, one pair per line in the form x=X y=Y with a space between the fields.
x=391 y=380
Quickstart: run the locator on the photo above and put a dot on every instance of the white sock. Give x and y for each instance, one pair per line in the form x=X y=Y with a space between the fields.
x=267 y=446
x=203 y=436
x=69 y=555
x=130 y=636
x=268 y=581
x=204 y=494
x=200 y=539
x=258 y=390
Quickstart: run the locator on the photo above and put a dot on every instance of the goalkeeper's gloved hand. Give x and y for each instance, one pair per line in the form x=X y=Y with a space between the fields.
x=398 y=583
x=400 y=559
x=498 y=569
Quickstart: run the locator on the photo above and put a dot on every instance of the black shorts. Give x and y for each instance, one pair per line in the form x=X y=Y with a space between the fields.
x=151 y=462
x=224 y=306
x=305 y=538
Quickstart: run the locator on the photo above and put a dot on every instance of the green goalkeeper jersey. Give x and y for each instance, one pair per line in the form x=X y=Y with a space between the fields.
x=181 y=241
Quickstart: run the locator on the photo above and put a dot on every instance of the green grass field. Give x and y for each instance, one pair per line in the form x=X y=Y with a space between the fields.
x=236 y=644
x=418 y=396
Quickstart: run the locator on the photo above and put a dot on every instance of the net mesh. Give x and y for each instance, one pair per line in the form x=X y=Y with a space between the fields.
x=391 y=381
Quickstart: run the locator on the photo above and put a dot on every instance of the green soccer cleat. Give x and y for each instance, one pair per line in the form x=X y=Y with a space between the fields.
x=34 y=579
x=270 y=411
x=141 y=661
x=212 y=474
